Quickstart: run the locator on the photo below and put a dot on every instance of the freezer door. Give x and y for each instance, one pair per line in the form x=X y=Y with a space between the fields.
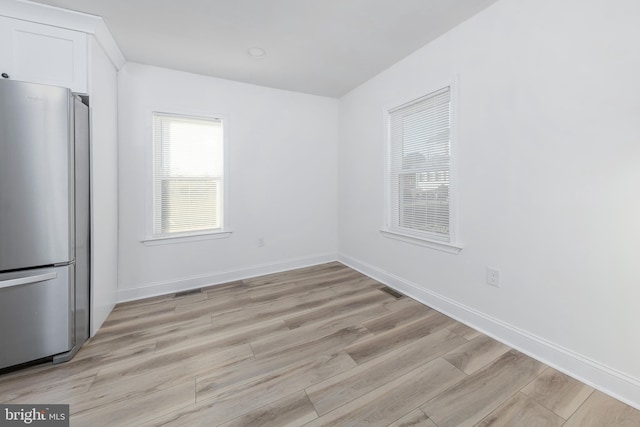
x=35 y=314
x=36 y=180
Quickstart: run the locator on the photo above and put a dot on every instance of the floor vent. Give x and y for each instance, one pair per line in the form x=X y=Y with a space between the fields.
x=189 y=292
x=392 y=292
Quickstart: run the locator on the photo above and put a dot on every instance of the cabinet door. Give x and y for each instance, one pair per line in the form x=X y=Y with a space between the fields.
x=43 y=54
x=5 y=45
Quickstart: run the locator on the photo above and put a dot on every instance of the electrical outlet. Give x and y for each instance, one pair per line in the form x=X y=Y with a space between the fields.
x=493 y=277
x=260 y=242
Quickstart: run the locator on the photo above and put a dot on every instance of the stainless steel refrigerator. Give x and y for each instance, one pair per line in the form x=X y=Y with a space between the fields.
x=44 y=223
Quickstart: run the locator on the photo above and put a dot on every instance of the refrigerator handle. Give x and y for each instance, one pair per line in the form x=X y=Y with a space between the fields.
x=27 y=280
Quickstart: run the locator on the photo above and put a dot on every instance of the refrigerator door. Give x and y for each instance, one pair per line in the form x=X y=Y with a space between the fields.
x=35 y=314
x=36 y=177
x=81 y=298
x=83 y=226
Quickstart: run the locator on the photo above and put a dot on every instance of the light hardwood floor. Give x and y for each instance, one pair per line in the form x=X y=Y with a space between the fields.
x=320 y=346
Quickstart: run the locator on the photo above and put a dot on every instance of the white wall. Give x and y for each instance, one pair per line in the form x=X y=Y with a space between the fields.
x=282 y=173
x=549 y=177
x=103 y=91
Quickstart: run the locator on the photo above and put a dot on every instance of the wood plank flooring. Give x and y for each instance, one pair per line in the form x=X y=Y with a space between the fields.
x=319 y=346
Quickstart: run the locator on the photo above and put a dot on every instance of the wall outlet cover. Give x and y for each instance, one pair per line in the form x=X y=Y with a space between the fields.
x=493 y=277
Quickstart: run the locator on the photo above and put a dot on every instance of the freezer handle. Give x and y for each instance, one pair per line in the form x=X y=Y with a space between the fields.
x=27 y=280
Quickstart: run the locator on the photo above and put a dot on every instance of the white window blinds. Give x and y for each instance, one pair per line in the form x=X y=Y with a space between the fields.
x=420 y=166
x=187 y=174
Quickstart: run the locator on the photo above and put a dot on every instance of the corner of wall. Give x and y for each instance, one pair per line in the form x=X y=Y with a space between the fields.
x=154 y=289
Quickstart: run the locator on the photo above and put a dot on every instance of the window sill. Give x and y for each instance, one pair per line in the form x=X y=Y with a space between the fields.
x=185 y=238
x=421 y=241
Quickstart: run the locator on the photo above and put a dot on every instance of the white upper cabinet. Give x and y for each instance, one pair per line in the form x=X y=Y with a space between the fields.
x=43 y=54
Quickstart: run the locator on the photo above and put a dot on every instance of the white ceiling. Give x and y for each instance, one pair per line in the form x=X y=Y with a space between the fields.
x=322 y=47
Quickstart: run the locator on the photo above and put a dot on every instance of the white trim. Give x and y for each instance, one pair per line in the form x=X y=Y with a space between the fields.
x=421 y=241
x=454 y=192
x=50 y=15
x=185 y=238
x=135 y=292
x=608 y=380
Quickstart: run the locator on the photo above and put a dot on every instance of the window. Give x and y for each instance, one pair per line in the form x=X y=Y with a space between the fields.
x=420 y=196
x=188 y=175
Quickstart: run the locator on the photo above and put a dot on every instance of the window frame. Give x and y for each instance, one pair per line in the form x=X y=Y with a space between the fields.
x=389 y=230
x=149 y=237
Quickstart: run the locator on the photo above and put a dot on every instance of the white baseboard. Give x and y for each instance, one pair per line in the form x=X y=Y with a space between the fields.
x=610 y=381
x=162 y=288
